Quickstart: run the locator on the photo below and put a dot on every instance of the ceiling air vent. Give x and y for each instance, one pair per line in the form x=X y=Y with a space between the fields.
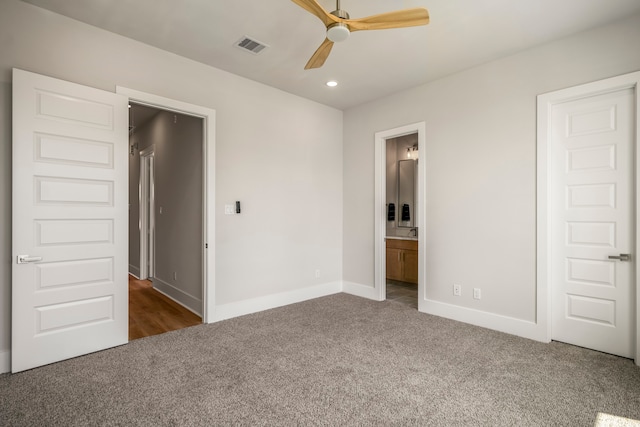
x=250 y=45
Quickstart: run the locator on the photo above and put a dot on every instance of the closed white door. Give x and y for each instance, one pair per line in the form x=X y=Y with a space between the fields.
x=69 y=290
x=593 y=221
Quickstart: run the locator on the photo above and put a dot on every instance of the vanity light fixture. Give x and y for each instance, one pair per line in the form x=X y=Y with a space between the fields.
x=412 y=152
x=332 y=83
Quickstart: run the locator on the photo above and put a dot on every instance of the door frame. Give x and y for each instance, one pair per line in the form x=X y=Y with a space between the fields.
x=380 y=274
x=208 y=117
x=146 y=212
x=544 y=207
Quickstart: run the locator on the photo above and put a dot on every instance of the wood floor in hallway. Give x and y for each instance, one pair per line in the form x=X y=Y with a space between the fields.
x=152 y=313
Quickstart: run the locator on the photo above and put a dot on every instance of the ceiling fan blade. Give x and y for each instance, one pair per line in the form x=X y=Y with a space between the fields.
x=397 y=19
x=320 y=55
x=313 y=7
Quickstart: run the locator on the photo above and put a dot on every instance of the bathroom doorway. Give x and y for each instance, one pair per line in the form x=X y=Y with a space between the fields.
x=400 y=215
x=401 y=237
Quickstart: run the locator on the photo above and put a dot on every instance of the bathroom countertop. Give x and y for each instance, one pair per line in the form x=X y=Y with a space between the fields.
x=401 y=238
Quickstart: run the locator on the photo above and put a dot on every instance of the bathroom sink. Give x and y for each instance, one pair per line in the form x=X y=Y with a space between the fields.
x=402 y=234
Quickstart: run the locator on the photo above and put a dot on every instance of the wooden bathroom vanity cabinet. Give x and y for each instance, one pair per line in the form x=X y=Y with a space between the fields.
x=402 y=260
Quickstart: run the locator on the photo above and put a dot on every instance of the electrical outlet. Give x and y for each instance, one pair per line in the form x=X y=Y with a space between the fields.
x=476 y=293
x=229 y=210
x=317 y=274
x=457 y=290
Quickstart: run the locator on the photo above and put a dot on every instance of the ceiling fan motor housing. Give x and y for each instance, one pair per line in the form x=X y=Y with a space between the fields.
x=339 y=31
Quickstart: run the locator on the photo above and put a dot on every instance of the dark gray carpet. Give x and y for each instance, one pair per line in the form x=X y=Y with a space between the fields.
x=338 y=360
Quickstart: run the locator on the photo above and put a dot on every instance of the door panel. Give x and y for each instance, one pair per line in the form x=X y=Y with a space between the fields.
x=593 y=218
x=394 y=264
x=69 y=214
x=411 y=266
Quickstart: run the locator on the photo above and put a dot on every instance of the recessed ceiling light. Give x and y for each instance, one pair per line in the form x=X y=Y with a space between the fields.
x=332 y=83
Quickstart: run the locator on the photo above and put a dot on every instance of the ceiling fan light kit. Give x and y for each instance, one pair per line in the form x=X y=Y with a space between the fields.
x=339 y=26
x=338 y=32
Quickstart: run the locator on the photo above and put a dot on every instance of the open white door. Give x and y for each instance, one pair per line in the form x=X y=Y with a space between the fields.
x=70 y=289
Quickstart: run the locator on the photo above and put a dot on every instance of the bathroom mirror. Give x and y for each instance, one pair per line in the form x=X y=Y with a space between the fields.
x=406 y=193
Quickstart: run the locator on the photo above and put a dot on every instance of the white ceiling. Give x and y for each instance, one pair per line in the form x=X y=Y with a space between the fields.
x=370 y=64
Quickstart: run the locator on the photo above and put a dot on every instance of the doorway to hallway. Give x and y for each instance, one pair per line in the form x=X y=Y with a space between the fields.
x=166 y=220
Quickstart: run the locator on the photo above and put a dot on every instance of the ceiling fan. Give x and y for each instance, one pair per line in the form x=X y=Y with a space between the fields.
x=339 y=26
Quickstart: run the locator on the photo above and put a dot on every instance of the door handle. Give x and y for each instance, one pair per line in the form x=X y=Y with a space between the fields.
x=25 y=259
x=621 y=257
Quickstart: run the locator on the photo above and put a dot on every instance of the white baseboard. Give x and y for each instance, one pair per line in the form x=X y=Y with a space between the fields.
x=254 y=305
x=5 y=361
x=360 y=290
x=497 y=322
x=134 y=271
x=186 y=300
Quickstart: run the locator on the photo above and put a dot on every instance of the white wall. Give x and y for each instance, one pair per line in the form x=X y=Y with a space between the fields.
x=279 y=154
x=480 y=168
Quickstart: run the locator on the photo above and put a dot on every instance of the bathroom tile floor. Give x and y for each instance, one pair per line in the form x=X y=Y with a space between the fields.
x=403 y=293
